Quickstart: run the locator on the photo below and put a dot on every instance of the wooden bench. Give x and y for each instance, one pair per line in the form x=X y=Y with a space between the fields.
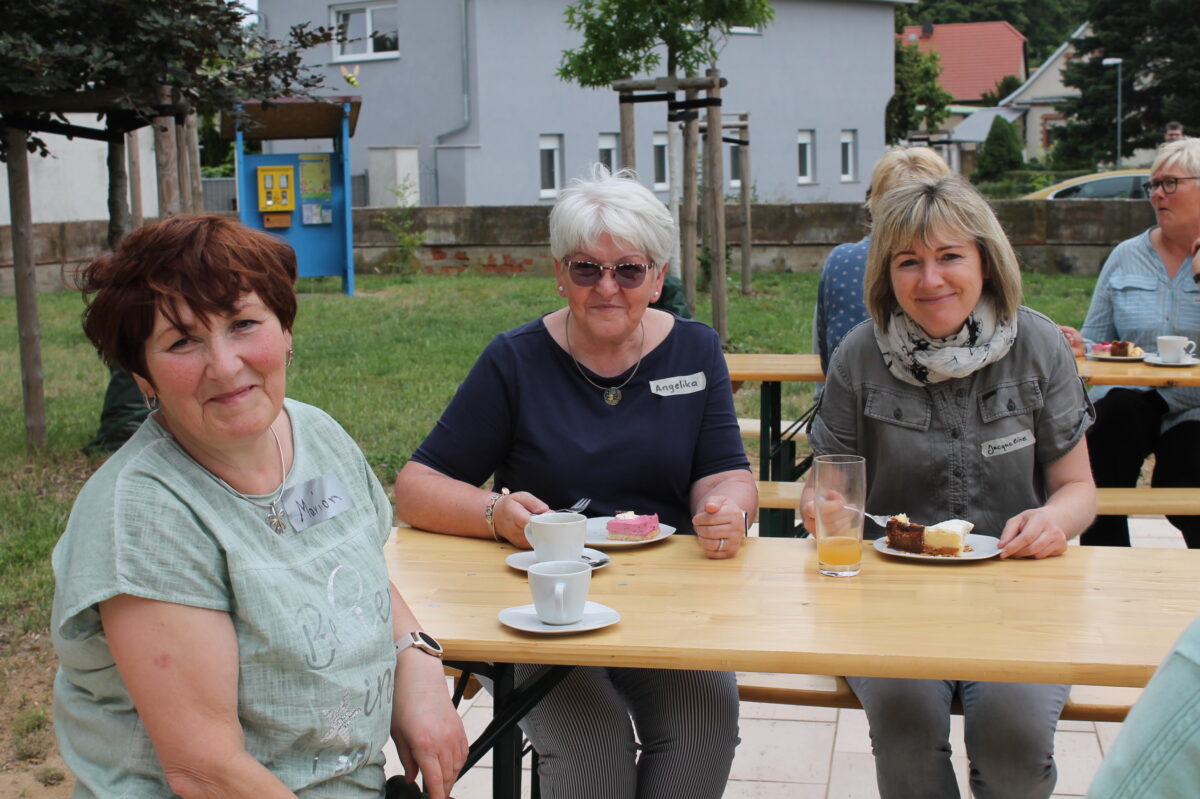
x=752 y=428
x=1086 y=703
x=1110 y=501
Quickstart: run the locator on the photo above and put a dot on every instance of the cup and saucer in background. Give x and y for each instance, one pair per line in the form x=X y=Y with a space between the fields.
x=1173 y=351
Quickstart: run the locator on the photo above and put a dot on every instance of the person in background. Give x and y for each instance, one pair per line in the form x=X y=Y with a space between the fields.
x=214 y=638
x=1148 y=289
x=965 y=405
x=840 y=289
x=1173 y=132
x=631 y=406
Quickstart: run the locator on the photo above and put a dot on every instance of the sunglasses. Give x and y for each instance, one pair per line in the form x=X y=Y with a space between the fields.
x=1168 y=185
x=586 y=273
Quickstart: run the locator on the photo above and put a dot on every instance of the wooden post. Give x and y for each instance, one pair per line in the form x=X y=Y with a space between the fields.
x=118 y=192
x=687 y=221
x=193 y=153
x=747 y=241
x=714 y=178
x=25 y=280
x=134 y=155
x=165 y=163
x=628 y=142
x=181 y=163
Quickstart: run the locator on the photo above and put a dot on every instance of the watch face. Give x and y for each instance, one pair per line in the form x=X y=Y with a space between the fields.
x=428 y=640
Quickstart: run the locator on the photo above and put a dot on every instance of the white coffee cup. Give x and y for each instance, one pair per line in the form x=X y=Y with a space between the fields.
x=557 y=536
x=560 y=589
x=1173 y=349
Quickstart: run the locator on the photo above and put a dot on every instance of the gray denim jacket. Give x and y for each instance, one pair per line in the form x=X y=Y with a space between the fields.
x=973 y=448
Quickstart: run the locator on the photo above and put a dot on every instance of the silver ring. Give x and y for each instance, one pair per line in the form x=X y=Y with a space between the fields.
x=720 y=544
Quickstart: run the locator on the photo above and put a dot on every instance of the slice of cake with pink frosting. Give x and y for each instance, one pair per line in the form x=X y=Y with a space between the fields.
x=628 y=526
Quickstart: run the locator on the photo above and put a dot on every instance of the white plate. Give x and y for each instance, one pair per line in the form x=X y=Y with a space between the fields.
x=982 y=548
x=521 y=561
x=1103 y=356
x=1188 y=360
x=597 y=535
x=523 y=617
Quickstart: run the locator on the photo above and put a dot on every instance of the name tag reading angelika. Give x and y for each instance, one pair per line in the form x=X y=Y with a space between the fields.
x=675 y=386
x=315 y=501
x=1006 y=444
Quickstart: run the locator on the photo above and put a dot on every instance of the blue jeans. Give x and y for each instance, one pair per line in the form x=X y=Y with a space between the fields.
x=1009 y=736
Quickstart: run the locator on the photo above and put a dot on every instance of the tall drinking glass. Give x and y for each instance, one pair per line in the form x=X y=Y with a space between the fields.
x=840 y=482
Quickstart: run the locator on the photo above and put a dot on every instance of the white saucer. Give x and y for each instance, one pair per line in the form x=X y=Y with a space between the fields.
x=982 y=548
x=523 y=617
x=1188 y=360
x=521 y=561
x=597 y=535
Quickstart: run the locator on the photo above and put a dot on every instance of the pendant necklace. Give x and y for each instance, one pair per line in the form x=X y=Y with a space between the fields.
x=612 y=394
x=276 y=517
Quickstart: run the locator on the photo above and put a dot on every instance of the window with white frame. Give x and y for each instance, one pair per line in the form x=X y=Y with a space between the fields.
x=608 y=151
x=735 y=166
x=661 y=177
x=372 y=30
x=849 y=156
x=806 y=171
x=550 y=152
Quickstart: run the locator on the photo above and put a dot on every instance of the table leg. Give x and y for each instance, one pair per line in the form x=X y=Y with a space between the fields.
x=772 y=458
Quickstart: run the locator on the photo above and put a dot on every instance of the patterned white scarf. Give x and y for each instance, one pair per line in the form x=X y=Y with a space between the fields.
x=912 y=356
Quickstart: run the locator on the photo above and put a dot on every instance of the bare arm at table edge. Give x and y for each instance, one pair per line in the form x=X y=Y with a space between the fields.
x=1044 y=532
x=428 y=499
x=426 y=728
x=181 y=663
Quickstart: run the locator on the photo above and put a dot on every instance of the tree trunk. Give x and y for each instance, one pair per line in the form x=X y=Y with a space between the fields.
x=118 y=192
x=747 y=185
x=133 y=148
x=628 y=150
x=193 y=155
x=165 y=161
x=714 y=179
x=25 y=280
x=181 y=163
x=687 y=222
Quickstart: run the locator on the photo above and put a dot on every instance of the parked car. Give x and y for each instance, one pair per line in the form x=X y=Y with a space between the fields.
x=1121 y=184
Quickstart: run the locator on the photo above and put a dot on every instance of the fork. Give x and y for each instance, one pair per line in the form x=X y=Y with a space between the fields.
x=578 y=507
x=878 y=519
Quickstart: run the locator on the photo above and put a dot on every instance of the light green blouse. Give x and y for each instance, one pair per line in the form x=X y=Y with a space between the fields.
x=311 y=608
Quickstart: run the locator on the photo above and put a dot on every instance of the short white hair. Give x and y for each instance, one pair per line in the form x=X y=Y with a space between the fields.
x=1182 y=152
x=616 y=204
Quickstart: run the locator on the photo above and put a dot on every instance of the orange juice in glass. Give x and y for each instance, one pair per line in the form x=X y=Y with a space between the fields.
x=840 y=485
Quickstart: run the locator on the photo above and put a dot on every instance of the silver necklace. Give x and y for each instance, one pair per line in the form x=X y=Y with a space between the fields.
x=612 y=394
x=276 y=518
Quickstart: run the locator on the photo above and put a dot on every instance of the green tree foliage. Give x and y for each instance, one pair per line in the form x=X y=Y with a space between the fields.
x=1046 y=24
x=124 y=50
x=1158 y=41
x=916 y=78
x=621 y=38
x=1002 y=151
x=1004 y=87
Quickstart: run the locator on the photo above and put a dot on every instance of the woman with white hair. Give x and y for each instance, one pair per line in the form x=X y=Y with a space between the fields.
x=1148 y=288
x=609 y=399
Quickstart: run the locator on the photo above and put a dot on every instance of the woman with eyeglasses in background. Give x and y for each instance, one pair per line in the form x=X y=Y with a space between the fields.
x=1148 y=288
x=609 y=399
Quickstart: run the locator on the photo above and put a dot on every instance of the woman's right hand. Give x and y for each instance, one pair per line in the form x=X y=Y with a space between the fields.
x=1075 y=339
x=831 y=506
x=511 y=514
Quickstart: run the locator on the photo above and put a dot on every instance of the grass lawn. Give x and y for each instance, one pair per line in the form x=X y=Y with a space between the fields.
x=383 y=363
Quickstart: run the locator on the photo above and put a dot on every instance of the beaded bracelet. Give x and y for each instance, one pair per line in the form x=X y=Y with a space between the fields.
x=489 y=514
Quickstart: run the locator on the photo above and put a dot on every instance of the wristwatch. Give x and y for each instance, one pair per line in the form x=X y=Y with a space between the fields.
x=420 y=640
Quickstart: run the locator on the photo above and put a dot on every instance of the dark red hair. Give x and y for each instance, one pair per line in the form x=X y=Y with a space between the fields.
x=203 y=262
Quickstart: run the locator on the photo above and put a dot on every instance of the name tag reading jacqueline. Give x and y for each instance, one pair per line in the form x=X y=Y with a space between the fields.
x=1001 y=446
x=674 y=386
x=313 y=502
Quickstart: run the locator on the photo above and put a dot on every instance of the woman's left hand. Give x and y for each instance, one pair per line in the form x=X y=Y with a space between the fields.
x=720 y=527
x=1032 y=534
x=426 y=728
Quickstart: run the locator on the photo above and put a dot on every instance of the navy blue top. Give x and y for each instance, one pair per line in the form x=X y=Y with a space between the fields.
x=526 y=415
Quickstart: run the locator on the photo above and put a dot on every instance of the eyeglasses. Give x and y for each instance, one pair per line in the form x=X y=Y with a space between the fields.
x=1168 y=185
x=587 y=273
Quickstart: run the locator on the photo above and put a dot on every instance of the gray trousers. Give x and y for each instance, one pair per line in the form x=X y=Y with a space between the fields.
x=1009 y=735
x=589 y=729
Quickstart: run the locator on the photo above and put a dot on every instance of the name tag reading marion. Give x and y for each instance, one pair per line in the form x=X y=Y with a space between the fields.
x=674 y=386
x=1000 y=446
x=313 y=502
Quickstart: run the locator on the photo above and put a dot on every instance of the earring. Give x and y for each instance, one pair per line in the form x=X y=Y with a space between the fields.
x=150 y=401
x=290 y=353
x=560 y=288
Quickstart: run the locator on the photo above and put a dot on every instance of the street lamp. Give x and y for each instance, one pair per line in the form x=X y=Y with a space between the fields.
x=1110 y=62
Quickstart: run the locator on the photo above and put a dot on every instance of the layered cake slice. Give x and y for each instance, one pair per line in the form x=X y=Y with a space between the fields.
x=946 y=538
x=628 y=526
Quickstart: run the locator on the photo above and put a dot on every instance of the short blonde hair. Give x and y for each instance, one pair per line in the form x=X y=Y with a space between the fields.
x=1181 y=152
x=612 y=203
x=901 y=163
x=921 y=208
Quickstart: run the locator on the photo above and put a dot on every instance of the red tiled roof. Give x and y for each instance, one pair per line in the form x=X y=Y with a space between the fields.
x=974 y=55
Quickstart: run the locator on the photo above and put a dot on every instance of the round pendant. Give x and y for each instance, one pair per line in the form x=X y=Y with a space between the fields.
x=612 y=395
